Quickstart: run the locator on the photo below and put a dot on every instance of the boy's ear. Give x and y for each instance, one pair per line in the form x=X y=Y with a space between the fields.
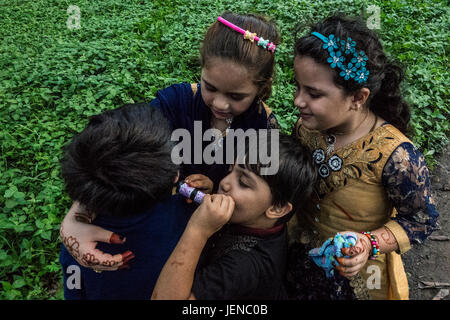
x=276 y=212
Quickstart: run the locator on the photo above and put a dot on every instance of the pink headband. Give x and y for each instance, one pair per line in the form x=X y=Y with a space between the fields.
x=250 y=36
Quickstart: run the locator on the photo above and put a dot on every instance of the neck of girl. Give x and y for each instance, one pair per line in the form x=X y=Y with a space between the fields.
x=354 y=129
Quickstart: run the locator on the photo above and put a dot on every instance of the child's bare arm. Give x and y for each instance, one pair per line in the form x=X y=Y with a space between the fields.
x=80 y=239
x=177 y=276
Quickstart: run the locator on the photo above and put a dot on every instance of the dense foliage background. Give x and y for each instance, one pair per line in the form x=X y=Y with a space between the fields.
x=52 y=78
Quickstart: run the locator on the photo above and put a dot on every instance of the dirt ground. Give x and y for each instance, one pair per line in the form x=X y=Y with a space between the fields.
x=430 y=261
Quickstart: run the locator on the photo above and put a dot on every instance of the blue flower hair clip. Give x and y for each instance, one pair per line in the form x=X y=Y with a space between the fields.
x=338 y=49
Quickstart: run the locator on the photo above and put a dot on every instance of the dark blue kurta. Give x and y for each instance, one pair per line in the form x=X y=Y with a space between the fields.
x=181 y=107
x=151 y=236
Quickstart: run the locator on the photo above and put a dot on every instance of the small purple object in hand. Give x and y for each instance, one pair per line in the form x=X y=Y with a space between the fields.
x=189 y=192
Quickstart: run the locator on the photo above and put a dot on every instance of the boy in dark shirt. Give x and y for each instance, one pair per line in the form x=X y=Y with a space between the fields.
x=119 y=168
x=242 y=233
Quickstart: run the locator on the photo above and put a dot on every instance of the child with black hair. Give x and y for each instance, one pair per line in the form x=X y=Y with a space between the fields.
x=236 y=80
x=120 y=171
x=372 y=178
x=235 y=244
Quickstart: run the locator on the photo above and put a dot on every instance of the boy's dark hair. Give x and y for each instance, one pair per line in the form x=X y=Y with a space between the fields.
x=385 y=76
x=223 y=42
x=296 y=176
x=120 y=164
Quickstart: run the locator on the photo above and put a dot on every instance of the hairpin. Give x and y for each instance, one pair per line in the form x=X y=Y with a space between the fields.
x=338 y=49
x=270 y=46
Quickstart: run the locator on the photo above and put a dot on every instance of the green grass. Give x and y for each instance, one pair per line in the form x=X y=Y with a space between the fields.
x=52 y=78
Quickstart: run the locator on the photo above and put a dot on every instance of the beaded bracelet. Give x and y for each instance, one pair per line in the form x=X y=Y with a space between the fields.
x=375 y=247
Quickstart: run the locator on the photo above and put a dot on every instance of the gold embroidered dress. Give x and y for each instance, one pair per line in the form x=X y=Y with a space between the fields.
x=351 y=195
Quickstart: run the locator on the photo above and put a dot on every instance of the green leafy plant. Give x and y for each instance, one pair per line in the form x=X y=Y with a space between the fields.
x=53 y=78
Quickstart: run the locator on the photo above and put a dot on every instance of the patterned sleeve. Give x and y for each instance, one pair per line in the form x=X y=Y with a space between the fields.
x=407 y=182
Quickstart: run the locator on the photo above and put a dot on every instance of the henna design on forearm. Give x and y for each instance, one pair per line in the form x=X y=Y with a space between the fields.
x=388 y=237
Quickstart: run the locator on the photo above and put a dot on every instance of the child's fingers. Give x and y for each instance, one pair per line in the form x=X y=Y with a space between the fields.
x=207 y=199
x=201 y=184
x=346 y=251
x=102 y=235
x=199 y=181
x=349 y=263
x=98 y=260
x=194 y=177
x=197 y=184
x=217 y=199
x=346 y=262
x=116 y=239
x=226 y=206
x=349 y=271
x=225 y=201
x=230 y=206
x=127 y=256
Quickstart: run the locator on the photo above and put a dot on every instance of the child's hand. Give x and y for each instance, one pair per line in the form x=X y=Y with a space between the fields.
x=359 y=254
x=212 y=214
x=201 y=182
x=80 y=238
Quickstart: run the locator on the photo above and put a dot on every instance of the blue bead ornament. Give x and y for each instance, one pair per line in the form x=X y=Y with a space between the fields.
x=336 y=59
x=341 y=51
x=361 y=75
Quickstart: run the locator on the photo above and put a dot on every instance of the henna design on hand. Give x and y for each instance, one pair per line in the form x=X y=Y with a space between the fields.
x=71 y=243
x=90 y=261
x=356 y=250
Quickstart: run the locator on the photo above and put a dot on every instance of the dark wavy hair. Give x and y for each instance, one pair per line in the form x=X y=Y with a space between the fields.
x=120 y=164
x=385 y=99
x=223 y=42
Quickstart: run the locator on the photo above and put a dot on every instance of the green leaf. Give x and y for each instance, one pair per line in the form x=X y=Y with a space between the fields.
x=10 y=192
x=46 y=235
x=19 y=195
x=10 y=203
x=6 y=286
x=18 y=283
